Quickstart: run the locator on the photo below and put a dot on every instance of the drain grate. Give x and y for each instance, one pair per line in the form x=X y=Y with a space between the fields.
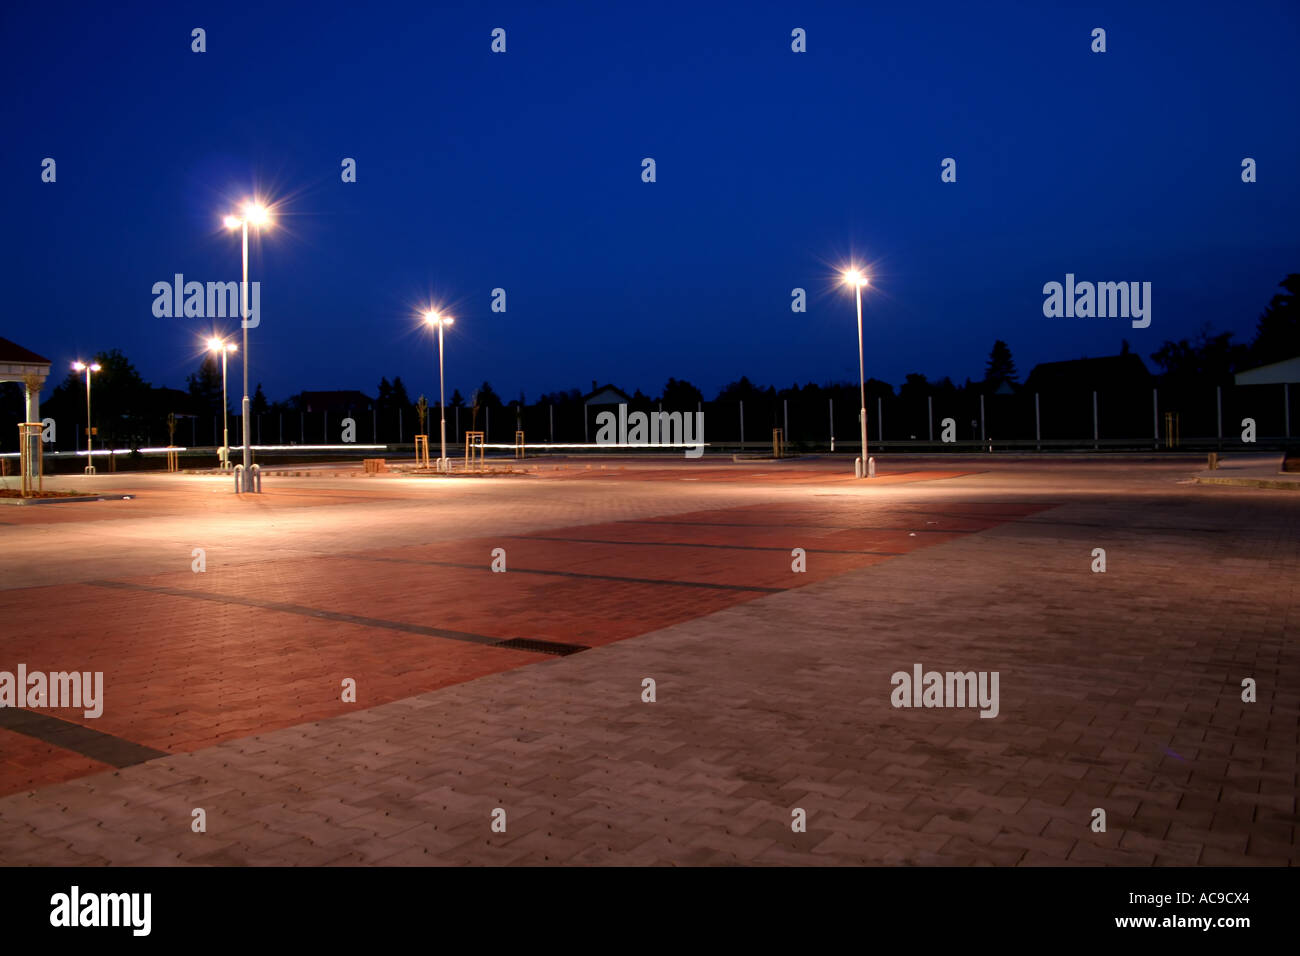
x=541 y=647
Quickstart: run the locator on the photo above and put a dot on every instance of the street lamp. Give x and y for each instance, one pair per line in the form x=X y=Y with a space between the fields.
x=81 y=366
x=225 y=348
x=258 y=215
x=856 y=279
x=441 y=322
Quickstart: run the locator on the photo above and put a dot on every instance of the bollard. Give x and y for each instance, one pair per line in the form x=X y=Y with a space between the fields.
x=871 y=467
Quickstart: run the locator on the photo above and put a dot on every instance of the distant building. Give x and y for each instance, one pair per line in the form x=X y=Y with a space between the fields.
x=600 y=395
x=605 y=395
x=1110 y=373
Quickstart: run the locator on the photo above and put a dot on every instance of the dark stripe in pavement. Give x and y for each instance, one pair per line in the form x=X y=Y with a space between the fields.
x=802 y=524
x=576 y=574
x=304 y=611
x=559 y=648
x=95 y=744
x=694 y=544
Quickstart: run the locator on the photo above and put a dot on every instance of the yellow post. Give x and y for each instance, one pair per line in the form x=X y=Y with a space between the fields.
x=474 y=452
x=29 y=435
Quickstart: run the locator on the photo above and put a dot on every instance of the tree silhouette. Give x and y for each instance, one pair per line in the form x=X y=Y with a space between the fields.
x=1277 y=336
x=681 y=394
x=1001 y=367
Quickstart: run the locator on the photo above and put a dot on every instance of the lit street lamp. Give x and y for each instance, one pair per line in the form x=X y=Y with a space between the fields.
x=225 y=348
x=257 y=215
x=856 y=279
x=80 y=366
x=441 y=322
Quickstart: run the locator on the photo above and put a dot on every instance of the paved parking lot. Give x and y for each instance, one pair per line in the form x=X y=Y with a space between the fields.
x=523 y=690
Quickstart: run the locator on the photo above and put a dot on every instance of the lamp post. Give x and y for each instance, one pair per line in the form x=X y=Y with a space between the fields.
x=92 y=367
x=441 y=321
x=258 y=215
x=856 y=279
x=225 y=348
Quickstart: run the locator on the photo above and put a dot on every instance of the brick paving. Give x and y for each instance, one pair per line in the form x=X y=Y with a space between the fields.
x=1119 y=691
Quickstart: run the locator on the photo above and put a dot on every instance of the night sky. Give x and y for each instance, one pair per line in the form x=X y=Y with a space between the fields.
x=523 y=171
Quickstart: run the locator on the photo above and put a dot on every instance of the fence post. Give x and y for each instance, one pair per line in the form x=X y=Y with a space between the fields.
x=1155 y=416
x=785 y=419
x=1038 y=426
x=880 y=419
x=981 y=417
x=832 y=405
x=1218 y=411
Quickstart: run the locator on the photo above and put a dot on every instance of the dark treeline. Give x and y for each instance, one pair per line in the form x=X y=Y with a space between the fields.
x=1056 y=400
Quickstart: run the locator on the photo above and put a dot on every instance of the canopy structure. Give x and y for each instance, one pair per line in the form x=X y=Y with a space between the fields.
x=18 y=364
x=1279 y=373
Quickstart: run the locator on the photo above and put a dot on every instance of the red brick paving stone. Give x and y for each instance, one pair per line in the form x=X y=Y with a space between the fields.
x=225 y=663
x=27 y=763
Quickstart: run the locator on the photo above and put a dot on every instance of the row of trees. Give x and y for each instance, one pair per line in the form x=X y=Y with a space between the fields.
x=132 y=413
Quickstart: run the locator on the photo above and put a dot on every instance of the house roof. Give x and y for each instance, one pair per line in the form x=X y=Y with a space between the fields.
x=15 y=354
x=1107 y=371
x=606 y=395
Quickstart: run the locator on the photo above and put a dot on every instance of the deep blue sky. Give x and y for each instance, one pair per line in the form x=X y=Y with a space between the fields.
x=478 y=170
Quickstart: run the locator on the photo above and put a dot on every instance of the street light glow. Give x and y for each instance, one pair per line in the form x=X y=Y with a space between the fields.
x=855 y=277
x=216 y=345
x=253 y=214
x=433 y=318
x=256 y=214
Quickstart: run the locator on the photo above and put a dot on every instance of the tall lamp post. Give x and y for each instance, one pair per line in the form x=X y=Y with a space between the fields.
x=856 y=279
x=441 y=322
x=92 y=367
x=225 y=348
x=257 y=215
